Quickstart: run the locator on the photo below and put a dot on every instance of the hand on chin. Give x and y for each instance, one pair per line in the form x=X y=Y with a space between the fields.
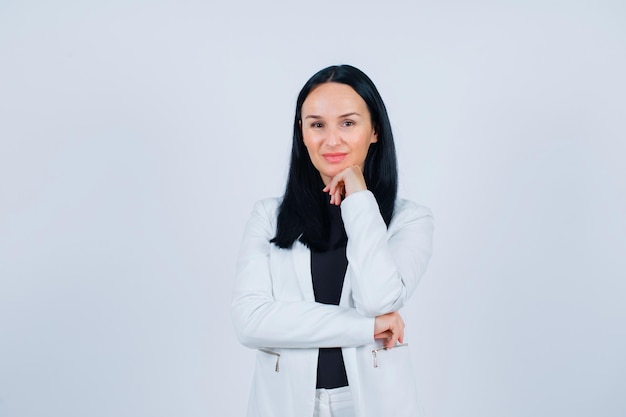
x=348 y=181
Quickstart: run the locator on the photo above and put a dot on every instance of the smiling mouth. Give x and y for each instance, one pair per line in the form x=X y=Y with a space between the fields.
x=334 y=157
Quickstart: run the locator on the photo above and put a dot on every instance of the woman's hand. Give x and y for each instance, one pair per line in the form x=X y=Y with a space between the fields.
x=389 y=326
x=348 y=181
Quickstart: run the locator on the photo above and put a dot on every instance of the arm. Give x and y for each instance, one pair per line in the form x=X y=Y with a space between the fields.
x=385 y=264
x=261 y=320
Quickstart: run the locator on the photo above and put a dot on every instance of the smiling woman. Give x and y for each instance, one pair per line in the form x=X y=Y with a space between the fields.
x=337 y=129
x=322 y=272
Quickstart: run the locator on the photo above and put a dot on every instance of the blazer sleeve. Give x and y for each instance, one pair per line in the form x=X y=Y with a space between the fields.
x=385 y=264
x=262 y=321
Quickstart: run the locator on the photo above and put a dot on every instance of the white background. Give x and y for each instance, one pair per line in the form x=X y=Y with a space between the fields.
x=135 y=137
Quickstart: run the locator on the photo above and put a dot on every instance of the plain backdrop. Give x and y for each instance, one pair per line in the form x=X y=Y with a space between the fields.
x=135 y=137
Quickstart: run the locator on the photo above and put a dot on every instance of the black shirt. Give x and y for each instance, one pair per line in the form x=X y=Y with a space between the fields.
x=328 y=269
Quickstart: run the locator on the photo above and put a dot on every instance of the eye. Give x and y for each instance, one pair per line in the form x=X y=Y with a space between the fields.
x=317 y=125
x=348 y=123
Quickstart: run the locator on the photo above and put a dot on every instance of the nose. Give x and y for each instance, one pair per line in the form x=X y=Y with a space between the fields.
x=334 y=137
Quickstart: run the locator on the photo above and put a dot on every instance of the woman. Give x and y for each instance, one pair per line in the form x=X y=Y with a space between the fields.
x=323 y=271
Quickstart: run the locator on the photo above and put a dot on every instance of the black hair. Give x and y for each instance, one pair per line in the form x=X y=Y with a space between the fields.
x=303 y=211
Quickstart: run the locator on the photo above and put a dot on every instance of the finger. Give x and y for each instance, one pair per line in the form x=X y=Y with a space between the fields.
x=335 y=188
x=391 y=341
x=401 y=331
x=398 y=332
x=383 y=335
x=336 y=181
x=331 y=189
x=338 y=196
x=394 y=340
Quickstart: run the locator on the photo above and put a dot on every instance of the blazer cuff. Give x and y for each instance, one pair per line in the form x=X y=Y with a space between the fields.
x=358 y=203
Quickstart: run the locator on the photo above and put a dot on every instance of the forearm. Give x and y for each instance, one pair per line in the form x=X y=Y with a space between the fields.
x=385 y=265
x=262 y=322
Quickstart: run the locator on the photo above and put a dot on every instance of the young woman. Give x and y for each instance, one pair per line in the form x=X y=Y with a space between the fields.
x=323 y=271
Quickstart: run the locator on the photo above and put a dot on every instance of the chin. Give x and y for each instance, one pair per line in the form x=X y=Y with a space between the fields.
x=331 y=173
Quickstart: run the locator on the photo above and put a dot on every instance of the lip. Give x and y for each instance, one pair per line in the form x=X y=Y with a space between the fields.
x=334 y=157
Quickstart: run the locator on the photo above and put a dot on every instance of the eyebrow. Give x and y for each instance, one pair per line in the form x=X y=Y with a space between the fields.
x=314 y=116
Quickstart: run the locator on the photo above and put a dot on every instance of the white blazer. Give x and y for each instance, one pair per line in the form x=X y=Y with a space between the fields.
x=274 y=309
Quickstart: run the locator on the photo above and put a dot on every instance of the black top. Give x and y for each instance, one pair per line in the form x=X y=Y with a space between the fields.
x=328 y=269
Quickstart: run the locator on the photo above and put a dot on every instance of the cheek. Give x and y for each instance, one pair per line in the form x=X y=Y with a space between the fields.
x=309 y=142
x=305 y=140
x=309 y=148
x=367 y=142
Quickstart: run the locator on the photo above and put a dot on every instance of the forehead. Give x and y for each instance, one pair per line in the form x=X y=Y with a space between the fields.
x=333 y=98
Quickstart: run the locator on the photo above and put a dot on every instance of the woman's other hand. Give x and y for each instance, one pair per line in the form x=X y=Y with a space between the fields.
x=389 y=326
x=348 y=181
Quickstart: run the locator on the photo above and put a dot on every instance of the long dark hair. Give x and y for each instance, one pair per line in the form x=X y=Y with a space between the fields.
x=303 y=212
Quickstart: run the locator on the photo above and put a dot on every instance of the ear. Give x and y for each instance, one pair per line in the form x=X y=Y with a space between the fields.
x=302 y=133
x=374 y=137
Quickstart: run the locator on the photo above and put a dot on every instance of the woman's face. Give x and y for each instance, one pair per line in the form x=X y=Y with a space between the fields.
x=336 y=128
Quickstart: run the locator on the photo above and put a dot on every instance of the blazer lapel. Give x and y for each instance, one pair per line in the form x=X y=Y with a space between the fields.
x=302 y=266
x=346 y=290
